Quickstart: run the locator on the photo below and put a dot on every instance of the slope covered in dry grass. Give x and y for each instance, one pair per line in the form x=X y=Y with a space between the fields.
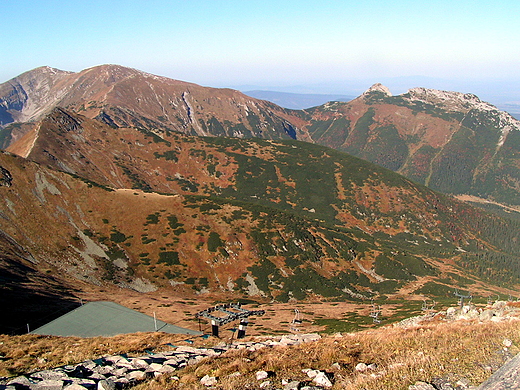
x=457 y=351
x=402 y=356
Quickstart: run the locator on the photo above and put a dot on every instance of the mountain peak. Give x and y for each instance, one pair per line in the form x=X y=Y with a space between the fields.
x=463 y=102
x=377 y=87
x=438 y=96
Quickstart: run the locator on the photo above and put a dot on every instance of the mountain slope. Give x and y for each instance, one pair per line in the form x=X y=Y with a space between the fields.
x=123 y=97
x=258 y=217
x=449 y=141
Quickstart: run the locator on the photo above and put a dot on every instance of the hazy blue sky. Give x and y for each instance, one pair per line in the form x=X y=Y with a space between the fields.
x=267 y=43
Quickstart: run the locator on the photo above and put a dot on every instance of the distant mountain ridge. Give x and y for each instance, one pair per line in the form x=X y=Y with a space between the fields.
x=450 y=141
x=123 y=97
x=297 y=101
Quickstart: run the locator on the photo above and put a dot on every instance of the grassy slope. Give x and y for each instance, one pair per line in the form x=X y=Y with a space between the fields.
x=299 y=218
x=452 y=351
x=450 y=151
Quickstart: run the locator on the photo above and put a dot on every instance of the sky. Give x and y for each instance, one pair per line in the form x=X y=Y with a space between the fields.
x=326 y=46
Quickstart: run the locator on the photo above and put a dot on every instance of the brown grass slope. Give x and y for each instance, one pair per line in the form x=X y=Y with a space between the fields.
x=439 y=353
x=123 y=97
x=270 y=218
x=449 y=141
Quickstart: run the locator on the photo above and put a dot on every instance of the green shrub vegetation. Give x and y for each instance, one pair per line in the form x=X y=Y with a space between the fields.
x=169 y=258
x=169 y=155
x=214 y=242
x=117 y=236
x=153 y=218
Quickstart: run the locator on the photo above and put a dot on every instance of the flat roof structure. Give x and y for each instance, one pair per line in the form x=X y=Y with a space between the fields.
x=105 y=318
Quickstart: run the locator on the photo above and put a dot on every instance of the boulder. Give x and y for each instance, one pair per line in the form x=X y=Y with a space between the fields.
x=311 y=373
x=155 y=367
x=21 y=380
x=322 y=380
x=421 y=386
x=166 y=369
x=136 y=375
x=106 y=384
x=75 y=386
x=261 y=375
x=486 y=315
x=50 y=375
x=49 y=384
x=293 y=385
x=361 y=367
x=451 y=311
x=208 y=380
x=140 y=363
x=88 y=383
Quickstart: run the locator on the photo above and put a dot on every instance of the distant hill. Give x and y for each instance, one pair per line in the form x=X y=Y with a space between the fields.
x=297 y=101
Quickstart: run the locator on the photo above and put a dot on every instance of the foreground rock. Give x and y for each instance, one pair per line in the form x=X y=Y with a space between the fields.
x=506 y=378
x=118 y=371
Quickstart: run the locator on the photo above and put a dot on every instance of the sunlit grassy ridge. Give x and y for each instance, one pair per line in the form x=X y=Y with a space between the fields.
x=401 y=356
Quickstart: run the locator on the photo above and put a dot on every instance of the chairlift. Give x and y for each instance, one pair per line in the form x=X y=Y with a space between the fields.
x=296 y=321
x=375 y=312
x=462 y=297
x=428 y=306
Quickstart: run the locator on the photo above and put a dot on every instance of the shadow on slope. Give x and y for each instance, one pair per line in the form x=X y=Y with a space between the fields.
x=28 y=296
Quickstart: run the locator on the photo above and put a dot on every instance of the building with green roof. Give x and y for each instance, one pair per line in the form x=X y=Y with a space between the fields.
x=105 y=318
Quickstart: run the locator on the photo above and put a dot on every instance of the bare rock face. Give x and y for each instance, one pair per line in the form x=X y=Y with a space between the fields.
x=5 y=177
x=29 y=95
x=378 y=87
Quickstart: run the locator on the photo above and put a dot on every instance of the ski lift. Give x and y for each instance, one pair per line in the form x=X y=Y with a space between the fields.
x=427 y=307
x=375 y=312
x=296 y=322
x=462 y=297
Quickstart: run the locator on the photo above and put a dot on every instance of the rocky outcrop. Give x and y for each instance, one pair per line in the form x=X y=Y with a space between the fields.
x=506 y=378
x=5 y=177
x=378 y=87
x=118 y=371
x=498 y=311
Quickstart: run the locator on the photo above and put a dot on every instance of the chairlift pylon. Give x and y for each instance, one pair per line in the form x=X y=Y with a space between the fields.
x=296 y=321
x=375 y=312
